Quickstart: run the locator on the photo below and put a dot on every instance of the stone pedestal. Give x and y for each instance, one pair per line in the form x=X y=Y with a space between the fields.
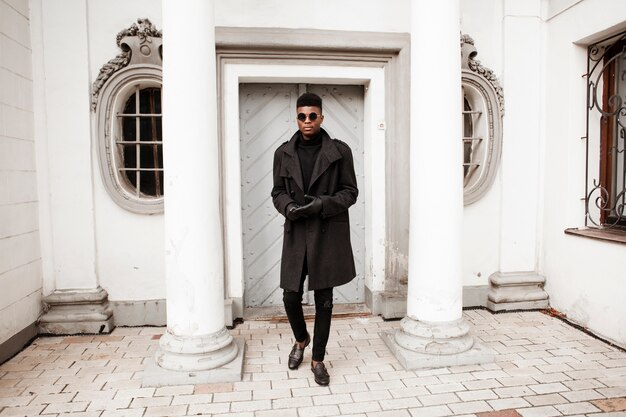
x=516 y=291
x=76 y=312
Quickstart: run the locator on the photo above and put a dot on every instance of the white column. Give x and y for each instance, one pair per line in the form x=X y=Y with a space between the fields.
x=434 y=333
x=196 y=338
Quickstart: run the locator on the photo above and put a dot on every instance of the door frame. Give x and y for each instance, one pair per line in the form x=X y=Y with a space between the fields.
x=373 y=80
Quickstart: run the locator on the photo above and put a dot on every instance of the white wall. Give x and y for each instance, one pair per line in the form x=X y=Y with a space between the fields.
x=20 y=261
x=130 y=246
x=354 y=15
x=585 y=278
x=481 y=220
x=130 y=254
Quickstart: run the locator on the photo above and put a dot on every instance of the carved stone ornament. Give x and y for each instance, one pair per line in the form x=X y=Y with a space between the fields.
x=141 y=44
x=468 y=61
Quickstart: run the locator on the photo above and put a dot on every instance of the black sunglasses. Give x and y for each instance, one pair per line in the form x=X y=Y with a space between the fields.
x=312 y=117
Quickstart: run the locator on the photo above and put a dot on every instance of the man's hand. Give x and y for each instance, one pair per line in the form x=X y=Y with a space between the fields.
x=292 y=212
x=312 y=208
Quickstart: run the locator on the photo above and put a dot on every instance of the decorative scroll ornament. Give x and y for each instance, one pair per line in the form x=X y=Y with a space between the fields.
x=468 y=61
x=140 y=44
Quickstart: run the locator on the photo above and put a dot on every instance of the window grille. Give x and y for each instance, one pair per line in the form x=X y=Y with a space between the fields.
x=470 y=142
x=141 y=146
x=605 y=140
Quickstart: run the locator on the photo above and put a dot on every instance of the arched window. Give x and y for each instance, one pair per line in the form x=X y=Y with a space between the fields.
x=483 y=109
x=127 y=100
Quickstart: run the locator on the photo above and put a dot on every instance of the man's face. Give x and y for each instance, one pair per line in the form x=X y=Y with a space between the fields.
x=309 y=128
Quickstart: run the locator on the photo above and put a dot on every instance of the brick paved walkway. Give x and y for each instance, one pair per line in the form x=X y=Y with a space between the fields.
x=544 y=368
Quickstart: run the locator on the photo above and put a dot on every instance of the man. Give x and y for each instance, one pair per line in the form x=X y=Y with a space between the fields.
x=314 y=185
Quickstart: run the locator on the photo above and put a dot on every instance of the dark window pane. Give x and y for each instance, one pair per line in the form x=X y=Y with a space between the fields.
x=150 y=183
x=130 y=156
x=148 y=129
x=129 y=108
x=148 y=99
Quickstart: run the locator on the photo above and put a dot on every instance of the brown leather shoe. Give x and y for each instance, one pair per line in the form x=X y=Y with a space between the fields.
x=320 y=373
x=296 y=355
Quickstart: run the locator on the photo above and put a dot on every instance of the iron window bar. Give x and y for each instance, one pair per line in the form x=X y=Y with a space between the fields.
x=139 y=114
x=139 y=142
x=140 y=169
x=605 y=202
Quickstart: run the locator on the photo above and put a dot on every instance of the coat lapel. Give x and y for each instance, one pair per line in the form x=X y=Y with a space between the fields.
x=292 y=166
x=328 y=154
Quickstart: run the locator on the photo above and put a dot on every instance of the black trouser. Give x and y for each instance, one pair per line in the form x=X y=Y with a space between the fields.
x=323 y=314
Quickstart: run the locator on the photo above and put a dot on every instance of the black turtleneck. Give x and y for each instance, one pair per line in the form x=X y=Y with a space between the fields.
x=308 y=151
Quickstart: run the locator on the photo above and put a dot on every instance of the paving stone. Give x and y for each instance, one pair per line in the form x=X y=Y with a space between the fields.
x=513 y=392
x=150 y=402
x=499 y=413
x=577 y=408
x=545 y=399
x=483 y=384
x=22 y=411
x=582 y=395
x=612 y=392
x=443 y=388
x=434 y=411
x=166 y=411
x=277 y=413
x=548 y=388
x=176 y=390
x=372 y=396
x=292 y=402
x=611 y=404
x=508 y=403
x=437 y=399
x=197 y=409
x=100 y=405
x=399 y=403
x=318 y=411
x=547 y=411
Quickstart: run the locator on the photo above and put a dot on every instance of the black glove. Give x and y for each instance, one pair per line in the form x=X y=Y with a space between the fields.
x=312 y=208
x=292 y=212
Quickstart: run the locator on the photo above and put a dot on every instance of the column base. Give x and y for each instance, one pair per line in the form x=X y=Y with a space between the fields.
x=156 y=376
x=196 y=353
x=419 y=344
x=77 y=312
x=410 y=360
x=516 y=291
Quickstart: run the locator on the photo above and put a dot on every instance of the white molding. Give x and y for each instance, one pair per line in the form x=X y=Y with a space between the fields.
x=373 y=78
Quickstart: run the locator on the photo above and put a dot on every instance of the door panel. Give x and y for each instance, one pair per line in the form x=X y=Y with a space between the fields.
x=267 y=119
x=343 y=120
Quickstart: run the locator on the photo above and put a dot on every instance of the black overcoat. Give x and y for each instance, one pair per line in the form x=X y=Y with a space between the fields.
x=325 y=239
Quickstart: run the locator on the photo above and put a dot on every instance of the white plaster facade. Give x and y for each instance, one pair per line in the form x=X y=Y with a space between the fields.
x=20 y=258
x=58 y=221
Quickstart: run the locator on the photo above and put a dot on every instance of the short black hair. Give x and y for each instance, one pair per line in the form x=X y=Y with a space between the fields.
x=309 y=99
